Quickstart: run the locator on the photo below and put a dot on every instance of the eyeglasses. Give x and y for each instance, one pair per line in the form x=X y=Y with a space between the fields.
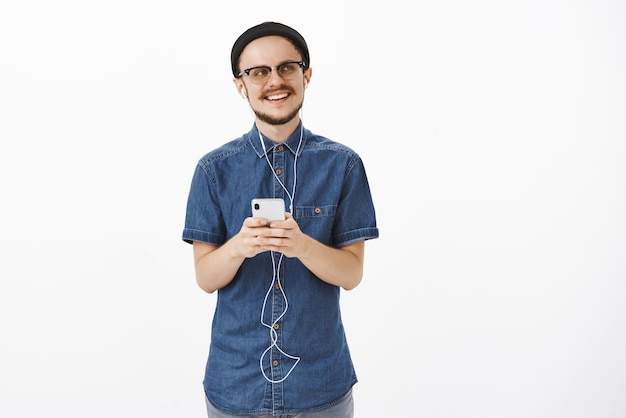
x=260 y=75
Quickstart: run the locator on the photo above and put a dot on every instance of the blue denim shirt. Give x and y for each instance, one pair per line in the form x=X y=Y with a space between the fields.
x=333 y=204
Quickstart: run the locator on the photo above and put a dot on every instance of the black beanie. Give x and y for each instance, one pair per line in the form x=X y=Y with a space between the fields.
x=267 y=29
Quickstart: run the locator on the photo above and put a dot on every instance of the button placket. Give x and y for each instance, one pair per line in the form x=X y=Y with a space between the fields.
x=278 y=164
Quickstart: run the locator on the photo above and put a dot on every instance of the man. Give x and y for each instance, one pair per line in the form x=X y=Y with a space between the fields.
x=278 y=344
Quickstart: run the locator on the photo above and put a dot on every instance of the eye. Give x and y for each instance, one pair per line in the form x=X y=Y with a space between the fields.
x=287 y=68
x=260 y=72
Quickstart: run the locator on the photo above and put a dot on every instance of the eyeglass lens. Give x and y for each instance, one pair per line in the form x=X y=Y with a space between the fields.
x=286 y=71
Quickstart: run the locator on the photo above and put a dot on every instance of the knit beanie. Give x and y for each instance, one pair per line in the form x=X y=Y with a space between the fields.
x=267 y=29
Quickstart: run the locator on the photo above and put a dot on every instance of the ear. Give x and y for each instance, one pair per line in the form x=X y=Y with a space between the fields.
x=307 y=76
x=241 y=88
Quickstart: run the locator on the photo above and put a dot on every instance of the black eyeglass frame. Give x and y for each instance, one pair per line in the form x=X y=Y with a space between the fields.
x=301 y=64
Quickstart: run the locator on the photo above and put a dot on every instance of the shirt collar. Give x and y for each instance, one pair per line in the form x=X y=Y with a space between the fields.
x=291 y=143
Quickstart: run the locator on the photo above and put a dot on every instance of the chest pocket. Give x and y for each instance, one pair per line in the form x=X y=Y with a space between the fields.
x=317 y=221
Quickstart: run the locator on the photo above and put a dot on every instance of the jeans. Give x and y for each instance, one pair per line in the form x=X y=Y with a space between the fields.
x=343 y=408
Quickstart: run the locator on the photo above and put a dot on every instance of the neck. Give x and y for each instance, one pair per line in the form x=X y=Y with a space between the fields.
x=278 y=133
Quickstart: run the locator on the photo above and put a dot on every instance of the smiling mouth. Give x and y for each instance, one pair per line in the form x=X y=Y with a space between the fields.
x=277 y=96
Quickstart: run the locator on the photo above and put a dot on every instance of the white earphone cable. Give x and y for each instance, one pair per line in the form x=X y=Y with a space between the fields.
x=295 y=166
x=276 y=268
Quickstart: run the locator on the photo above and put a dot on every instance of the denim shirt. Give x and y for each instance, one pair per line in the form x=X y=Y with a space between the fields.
x=309 y=366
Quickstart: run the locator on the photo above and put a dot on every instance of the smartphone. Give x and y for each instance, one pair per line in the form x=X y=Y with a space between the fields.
x=268 y=208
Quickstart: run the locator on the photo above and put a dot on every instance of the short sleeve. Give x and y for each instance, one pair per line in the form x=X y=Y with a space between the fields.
x=203 y=220
x=356 y=217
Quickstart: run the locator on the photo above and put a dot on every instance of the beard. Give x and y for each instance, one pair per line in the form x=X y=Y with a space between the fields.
x=271 y=120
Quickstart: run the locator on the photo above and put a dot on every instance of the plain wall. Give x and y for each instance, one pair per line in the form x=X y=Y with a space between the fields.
x=494 y=137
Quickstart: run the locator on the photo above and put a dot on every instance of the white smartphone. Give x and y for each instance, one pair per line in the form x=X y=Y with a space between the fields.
x=268 y=208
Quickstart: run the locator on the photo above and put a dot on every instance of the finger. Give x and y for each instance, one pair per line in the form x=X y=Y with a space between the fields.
x=288 y=223
x=255 y=222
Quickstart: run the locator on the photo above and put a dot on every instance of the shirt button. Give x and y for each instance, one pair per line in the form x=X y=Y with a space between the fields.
x=278 y=171
x=276 y=326
x=277 y=285
x=317 y=210
x=281 y=148
x=275 y=363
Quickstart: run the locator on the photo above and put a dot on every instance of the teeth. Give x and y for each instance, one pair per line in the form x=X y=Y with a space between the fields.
x=277 y=96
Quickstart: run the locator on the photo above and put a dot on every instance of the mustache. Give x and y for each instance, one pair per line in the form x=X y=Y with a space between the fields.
x=282 y=87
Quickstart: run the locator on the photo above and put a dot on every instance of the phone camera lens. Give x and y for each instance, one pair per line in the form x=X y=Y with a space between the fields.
x=256 y=206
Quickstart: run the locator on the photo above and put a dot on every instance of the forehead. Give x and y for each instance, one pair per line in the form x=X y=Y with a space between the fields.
x=268 y=50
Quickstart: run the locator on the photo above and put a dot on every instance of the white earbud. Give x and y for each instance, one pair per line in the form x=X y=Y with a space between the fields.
x=306 y=84
x=243 y=93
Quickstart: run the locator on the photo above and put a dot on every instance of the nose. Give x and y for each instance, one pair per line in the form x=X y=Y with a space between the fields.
x=275 y=77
